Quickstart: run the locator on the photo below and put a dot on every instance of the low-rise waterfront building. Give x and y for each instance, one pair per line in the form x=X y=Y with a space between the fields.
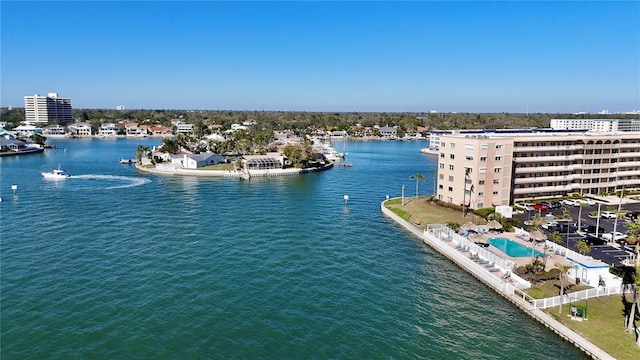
x=54 y=130
x=108 y=129
x=27 y=130
x=601 y=125
x=185 y=129
x=483 y=168
x=80 y=129
x=195 y=161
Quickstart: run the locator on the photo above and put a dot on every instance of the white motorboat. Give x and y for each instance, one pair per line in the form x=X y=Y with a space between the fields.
x=430 y=151
x=56 y=174
x=325 y=148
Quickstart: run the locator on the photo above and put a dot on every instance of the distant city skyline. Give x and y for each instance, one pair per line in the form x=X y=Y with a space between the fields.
x=537 y=57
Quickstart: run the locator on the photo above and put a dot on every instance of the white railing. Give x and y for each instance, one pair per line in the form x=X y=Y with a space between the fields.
x=576 y=296
x=445 y=233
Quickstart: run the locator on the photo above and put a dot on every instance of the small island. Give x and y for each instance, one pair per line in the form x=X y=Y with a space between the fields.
x=240 y=156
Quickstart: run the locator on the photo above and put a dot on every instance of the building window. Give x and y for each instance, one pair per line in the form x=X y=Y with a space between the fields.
x=450 y=188
x=442 y=155
x=450 y=177
x=481 y=193
x=441 y=176
x=480 y=205
x=468 y=157
x=450 y=199
x=483 y=158
x=468 y=170
x=482 y=170
x=468 y=146
x=453 y=145
x=440 y=187
x=439 y=197
x=480 y=182
x=497 y=170
x=484 y=147
x=451 y=167
x=498 y=146
x=441 y=165
x=498 y=158
x=452 y=156
x=495 y=192
x=496 y=181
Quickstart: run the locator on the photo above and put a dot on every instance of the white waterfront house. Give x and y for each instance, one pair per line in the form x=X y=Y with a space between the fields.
x=195 y=161
x=80 y=129
x=185 y=129
x=27 y=130
x=55 y=130
x=108 y=129
x=388 y=132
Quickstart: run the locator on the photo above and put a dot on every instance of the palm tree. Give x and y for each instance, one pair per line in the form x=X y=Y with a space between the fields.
x=418 y=177
x=564 y=281
x=583 y=247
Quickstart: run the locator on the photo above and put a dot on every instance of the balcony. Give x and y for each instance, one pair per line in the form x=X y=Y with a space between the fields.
x=545 y=169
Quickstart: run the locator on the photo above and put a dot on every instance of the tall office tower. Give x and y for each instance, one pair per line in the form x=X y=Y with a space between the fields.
x=44 y=109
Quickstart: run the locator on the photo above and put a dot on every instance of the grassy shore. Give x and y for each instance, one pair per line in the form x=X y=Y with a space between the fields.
x=420 y=212
x=604 y=327
x=605 y=324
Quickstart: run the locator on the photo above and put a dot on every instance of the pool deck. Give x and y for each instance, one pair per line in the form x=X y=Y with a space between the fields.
x=468 y=258
x=552 y=258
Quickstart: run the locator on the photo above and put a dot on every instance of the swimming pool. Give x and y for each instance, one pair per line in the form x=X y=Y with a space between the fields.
x=512 y=248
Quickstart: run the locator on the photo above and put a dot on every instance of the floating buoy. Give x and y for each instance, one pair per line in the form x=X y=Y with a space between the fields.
x=346 y=198
x=14 y=188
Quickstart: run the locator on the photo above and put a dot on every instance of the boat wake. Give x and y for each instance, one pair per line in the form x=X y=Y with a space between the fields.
x=114 y=181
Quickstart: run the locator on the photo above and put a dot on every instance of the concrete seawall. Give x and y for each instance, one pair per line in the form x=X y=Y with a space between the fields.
x=508 y=291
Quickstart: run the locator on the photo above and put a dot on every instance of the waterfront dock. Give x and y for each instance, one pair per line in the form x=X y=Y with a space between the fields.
x=459 y=251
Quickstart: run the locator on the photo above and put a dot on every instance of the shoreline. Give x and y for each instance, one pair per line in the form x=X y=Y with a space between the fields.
x=231 y=174
x=504 y=289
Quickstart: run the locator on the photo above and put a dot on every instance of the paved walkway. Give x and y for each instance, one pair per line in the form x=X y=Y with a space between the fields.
x=499 y=285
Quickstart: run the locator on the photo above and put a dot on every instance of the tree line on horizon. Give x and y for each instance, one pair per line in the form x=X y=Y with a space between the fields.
x=284 y=120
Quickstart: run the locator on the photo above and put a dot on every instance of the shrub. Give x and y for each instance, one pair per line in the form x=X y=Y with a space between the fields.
x=484 y=212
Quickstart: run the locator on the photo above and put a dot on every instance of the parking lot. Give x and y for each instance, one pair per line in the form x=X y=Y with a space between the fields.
x=606 y=253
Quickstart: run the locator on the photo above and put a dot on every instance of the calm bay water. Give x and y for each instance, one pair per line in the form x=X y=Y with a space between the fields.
x=113 y=263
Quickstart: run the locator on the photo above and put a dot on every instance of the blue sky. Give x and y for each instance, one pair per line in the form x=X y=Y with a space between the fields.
x=325 y=56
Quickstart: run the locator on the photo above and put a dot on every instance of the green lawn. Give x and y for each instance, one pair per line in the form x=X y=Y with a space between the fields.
x=420 y=210
x=551 y=289
x=604 y=327
x=218 y=167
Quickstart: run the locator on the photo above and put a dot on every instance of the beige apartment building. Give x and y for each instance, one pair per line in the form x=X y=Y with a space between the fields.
x=486 y=168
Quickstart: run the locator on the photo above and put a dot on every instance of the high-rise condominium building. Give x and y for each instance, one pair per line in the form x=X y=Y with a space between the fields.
x=44 y=109
x=483 y=168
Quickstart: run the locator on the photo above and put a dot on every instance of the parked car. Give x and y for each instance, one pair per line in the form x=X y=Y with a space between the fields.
x=553 y=205
x=632 y=215
x=594 y=241
x=616 y=236
x=586 y=202
x=540 y=207
x=608 y=214
x=569 y=202
x=562 y=227
x=592 y=229
x=523 y=206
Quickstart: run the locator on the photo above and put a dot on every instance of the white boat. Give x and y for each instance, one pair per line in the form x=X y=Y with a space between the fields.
x=326 y=149
x=430 y=151
x=56 y=174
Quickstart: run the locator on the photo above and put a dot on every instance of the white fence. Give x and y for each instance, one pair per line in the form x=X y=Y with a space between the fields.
x=576 y=296
x=445 y=233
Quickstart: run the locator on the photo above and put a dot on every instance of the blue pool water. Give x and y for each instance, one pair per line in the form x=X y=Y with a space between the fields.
x=512 y=248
